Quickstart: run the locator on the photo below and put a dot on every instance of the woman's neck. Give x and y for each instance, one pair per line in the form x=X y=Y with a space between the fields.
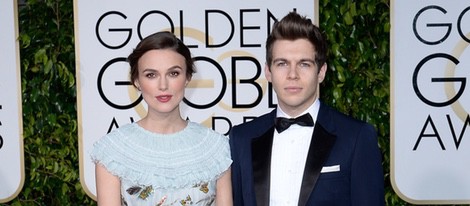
x=163 y=124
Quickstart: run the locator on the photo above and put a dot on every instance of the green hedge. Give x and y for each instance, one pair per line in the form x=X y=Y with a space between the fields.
x=357 y=83
x=49 y=105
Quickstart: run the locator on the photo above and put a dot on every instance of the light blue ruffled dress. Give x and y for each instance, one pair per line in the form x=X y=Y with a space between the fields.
x=164 y=169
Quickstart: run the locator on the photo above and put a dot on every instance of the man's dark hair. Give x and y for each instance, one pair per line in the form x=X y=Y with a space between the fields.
x=292 y=27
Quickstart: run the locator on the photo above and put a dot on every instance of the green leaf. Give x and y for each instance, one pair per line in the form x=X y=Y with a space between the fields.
x=35 y=69
x=40 y=56
x=56 y=167
x=348 y=19
x=340 y=74
x=337 y=92
x=48 y=66
x=25 y=40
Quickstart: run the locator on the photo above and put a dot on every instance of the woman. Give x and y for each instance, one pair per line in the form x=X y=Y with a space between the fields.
x=162 y=159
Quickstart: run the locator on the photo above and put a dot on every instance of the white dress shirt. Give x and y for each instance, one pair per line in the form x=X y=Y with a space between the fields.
x=289 y=153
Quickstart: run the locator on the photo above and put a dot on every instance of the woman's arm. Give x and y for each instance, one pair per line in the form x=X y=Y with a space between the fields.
x=224 y=189
x=108 y=187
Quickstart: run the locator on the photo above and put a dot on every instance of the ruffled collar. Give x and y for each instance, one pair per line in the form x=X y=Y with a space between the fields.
x=193 y=155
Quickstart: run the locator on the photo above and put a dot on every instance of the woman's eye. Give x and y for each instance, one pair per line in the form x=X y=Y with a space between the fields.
x=150 y=75
x=174 y=74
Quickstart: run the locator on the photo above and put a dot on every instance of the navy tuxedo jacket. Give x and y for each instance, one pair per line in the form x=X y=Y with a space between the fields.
x=337 y=140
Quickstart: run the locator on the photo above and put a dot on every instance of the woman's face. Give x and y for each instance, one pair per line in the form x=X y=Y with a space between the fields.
x=162 y=80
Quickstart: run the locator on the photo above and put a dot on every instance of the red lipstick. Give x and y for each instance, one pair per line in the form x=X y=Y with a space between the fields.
x=164 y=98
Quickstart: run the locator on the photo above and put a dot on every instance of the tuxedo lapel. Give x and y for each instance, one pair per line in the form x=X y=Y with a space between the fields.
x=320 y=147
x=261 y=160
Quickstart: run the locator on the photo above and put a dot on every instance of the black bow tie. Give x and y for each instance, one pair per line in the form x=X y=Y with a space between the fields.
x=282 y=123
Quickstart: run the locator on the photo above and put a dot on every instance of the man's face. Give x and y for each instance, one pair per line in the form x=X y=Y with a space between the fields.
x=294 y=75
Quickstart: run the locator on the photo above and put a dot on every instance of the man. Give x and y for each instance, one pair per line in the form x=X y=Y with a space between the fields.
x=327 y=158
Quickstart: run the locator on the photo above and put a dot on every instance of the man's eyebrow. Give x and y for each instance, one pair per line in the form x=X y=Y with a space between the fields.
x=307 y=60
x=301 y=60
x=279 y=59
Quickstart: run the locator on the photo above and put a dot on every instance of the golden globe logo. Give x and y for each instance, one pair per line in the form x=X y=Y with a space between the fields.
x=430 y=101
x=447 y=83
x=115 y=30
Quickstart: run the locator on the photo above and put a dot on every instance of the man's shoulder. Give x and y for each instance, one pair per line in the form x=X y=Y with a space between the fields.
x=341 y=119
x=265 y=119
x=256 y=125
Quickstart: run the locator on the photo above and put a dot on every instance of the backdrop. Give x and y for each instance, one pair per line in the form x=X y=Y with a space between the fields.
x=430 y=101
x=226 y=38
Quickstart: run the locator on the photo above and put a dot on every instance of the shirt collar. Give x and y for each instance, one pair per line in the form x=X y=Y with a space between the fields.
x=313 y=110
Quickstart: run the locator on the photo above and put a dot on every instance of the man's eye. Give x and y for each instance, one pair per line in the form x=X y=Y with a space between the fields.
x=281 y=64
x=305 y=64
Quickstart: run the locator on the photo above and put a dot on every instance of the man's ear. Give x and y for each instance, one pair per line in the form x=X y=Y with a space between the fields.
x=322 y=73
x=267 y=72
